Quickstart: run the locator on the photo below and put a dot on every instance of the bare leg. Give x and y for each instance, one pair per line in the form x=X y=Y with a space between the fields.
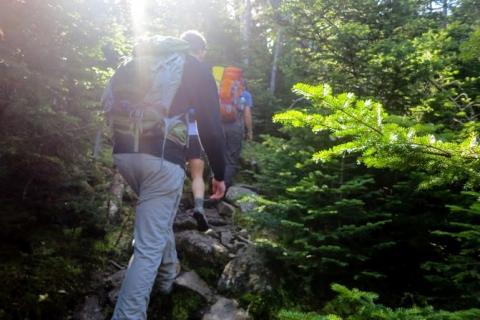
x=198 y=190
x=198 y=185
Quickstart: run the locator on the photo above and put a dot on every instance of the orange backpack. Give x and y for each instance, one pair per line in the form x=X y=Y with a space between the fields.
x=231 y=88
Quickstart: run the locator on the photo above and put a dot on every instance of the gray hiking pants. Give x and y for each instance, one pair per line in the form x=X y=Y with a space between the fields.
x=159 y=188
x=234 y=133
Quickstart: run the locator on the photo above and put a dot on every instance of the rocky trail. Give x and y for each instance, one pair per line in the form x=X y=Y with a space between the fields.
x=217 y=267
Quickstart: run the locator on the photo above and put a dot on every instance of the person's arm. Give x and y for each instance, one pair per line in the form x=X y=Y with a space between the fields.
x=247 y=116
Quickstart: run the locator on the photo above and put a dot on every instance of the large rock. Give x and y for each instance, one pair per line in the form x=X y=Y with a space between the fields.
x=221 y=308
x=201 y=249
x=247 y=272
x=184 y=221
x=192 y=281
x=217 y=222
x=225 y=209
x=114 y=282
x=226 y=309
x=226 y=237
x=215 y=219
x=90 y=310
x=242 y=197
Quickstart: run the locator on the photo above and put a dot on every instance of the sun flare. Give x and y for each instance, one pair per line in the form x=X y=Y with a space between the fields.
x=137 y=10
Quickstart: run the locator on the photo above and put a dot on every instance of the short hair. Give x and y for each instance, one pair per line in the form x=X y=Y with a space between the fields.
x=245 y=84
x=195 y=39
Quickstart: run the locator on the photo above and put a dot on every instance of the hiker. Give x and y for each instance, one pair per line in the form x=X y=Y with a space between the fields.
x=195 y=151
x=147 y=100
x=235 y=133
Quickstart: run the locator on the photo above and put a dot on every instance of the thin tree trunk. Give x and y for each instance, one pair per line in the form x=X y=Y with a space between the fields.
x=445 y=13
x=276 y=55
x=246 y=29
x=97 y=148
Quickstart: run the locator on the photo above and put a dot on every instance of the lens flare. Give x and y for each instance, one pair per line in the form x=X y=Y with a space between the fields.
x=137 y=9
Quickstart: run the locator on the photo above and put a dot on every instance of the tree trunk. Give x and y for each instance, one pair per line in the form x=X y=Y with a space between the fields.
x=276 y=55
x=246 y=30
x=97 y=147
x=445 y=13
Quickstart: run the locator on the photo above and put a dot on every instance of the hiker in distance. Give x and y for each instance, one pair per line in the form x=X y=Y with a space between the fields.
x=147 y=100
x=236 y=112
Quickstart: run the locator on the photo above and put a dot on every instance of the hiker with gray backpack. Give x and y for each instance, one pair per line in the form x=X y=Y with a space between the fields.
x=147 y=100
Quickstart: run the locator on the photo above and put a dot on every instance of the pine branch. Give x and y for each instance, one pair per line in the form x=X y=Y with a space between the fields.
x=357 y=119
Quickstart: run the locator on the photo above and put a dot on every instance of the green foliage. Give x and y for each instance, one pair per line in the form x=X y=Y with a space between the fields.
x=459 y=245
x=353 y=304
x=51 y=277
x=265 y=305
x=398 y=51
x=52 y=192
x=470 y=48
x=363 y=127
x=51 y=86
x=347 y=170
x=297 y=315
x=334 y=219
x=341 y=222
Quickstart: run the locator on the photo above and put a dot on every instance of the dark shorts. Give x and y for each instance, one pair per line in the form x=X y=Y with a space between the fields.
x=194 y=150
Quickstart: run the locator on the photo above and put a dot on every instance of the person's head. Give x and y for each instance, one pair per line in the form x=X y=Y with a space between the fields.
x=245 y=85
x=198 y=44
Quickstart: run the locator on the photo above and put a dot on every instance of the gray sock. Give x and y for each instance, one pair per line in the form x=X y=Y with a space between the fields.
x=199 y=205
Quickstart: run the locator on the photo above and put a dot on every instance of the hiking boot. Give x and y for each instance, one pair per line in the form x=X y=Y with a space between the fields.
x=202 y=222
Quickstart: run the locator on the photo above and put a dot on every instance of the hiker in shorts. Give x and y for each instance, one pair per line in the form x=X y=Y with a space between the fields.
x=195 y=152
x=147 y=100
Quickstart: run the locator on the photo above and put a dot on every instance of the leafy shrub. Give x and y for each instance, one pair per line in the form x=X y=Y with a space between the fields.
x=353 y=304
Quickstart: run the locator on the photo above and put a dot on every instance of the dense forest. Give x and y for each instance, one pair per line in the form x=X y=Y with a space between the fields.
x=366 y=150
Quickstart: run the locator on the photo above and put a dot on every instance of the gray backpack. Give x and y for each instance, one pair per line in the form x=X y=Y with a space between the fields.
x=140 y=93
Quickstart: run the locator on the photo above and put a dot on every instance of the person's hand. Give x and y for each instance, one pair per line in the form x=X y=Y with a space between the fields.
x=218 y=189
